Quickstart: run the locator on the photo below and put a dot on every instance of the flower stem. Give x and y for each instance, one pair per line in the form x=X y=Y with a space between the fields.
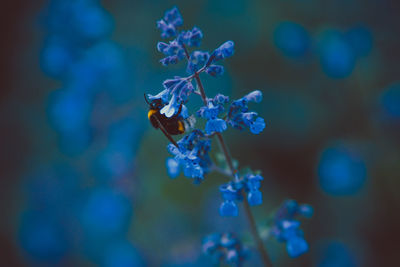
x=228 y=158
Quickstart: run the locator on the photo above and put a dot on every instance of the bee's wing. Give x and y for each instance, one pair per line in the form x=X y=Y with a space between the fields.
x=165 y=132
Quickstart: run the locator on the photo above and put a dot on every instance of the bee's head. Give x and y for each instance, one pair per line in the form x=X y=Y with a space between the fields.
x=154 y=104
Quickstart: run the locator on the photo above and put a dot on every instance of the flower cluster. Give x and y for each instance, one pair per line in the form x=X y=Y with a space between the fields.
x=239 y=116
x=233 y=190
x=191 y=153
x=286 y=226
x=224 y=248
x=191 y=156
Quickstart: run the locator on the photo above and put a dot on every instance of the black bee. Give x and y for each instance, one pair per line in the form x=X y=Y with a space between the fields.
x=169 y=126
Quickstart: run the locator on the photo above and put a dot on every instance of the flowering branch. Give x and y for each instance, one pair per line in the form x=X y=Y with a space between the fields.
x=191 y=152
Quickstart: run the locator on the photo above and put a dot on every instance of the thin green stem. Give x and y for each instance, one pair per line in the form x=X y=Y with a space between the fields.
x=228 y=158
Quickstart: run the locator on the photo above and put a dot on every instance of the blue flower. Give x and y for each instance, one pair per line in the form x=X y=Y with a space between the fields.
x=240 y=118
x=180 y=89
x=224 y=248
x=163 y=95
x=215 y=70
x=286 y=227
x=211 y=111
x=215 y=125
x=228 y=208
x=191 y=38
x=233 y=191
x=296 y=246
x=196 y=61
x=257 y=126
x=223 y=51
x=254 y=197
x=172 y=107
x=174 y=52
x=192 y=155
x=306 y=210
x=172 y=19
x=220 y=99
x=255 y=96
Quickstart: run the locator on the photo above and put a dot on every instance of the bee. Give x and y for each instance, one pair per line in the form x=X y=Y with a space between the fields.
x=174 y=125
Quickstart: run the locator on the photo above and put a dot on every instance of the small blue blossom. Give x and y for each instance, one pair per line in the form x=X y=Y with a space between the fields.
x=224 y=51
x=163 y=95
x=220 y=99
x=296 y=246
x=215 y=70
x=257 y=126
x=196 y=61
x=174 y=52
x=192 y=155
x=229 y=194
x=216 y=125
x=180 y=89
x=211 y=111
x=168 y=24
x=255 y=96
x=286 y=227
x=240 y=118
x=232 y=191
x=224 y=248
x=229 y=208
x=254 y=197
x=170 y=109
x=191 y=38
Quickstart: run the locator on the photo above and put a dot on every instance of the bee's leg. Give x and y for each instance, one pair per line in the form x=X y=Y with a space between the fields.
x=179 y=111
x=166 y=133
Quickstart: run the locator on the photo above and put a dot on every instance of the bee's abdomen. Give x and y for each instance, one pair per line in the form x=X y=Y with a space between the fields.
x=151 y=115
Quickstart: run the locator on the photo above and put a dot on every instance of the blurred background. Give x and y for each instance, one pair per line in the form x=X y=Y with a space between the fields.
x=83 y=176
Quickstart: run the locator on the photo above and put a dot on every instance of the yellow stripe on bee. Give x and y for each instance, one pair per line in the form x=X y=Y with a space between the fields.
x=151 y=113
x=181 y=128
